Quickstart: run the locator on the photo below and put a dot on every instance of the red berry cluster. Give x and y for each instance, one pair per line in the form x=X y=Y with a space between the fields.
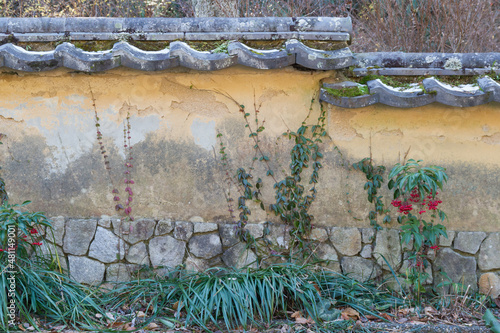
x=403 y=207
x=24 y=238
x=427 y=202
x=33 y=231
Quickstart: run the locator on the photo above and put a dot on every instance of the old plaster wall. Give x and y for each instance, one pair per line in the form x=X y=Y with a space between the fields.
x=51 y=156
x=463 y=140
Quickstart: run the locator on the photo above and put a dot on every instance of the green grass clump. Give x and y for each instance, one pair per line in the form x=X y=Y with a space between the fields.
x=32 y=277
x=46 y=293
x=229 y=298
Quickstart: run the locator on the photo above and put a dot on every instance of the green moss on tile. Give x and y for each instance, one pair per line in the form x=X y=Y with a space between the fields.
x=348 y=91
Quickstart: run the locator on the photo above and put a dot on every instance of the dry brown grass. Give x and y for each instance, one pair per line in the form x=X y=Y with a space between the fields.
x=428 y=26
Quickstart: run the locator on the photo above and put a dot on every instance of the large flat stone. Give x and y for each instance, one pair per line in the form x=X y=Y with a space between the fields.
x=368 y=235
x=239 y=256
x=196 y=265
x=166 y=251
x=459 y=268
x=325 y=251
x=183 y=230
x=85 y=270
x=164 y=227
x=318 y=234
x=58 y=223
x=256 y=230
x=228 y=234
x=367 y=251
x=119 y=272
x=105 y=221
x=469 y=241
x=199 y=265
x=279 y=234
x=443 y=241
x=346 y=240
x=205 y=246
x=78 y=235
x=489 y=254
x=489 y=284
x=388 y=246
x=106 y=246
x=134 y=231
x=200 y=227
x=359 y=268
x=138 y=254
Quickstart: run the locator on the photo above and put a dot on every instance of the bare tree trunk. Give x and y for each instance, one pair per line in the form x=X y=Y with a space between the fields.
x=215 y=8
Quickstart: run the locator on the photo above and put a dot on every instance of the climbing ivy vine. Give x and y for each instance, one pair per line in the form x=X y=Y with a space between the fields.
x=374 y=180
x=292 y=199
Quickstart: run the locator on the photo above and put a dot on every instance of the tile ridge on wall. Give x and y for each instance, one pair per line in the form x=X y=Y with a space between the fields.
x=431 y=90
x=179 y=54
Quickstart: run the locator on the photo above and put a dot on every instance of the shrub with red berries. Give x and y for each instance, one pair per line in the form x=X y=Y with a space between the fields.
x=416 y=198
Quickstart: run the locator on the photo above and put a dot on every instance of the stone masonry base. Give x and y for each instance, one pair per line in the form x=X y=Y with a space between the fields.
x=108 y=249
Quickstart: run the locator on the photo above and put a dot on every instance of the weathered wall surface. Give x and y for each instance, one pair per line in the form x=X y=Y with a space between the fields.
x=51 y=156
x=463 y=140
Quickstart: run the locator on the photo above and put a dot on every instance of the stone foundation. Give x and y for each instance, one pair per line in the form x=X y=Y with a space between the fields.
x=108 y=249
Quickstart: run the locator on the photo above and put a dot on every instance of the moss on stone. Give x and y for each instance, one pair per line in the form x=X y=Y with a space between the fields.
x=348 y=91
x=324 y=45
x=387 y=80
x=94 y=46
x=149 y=45
x=276 y=44
x=204 y=46
x=38 y=46
x=405 y=81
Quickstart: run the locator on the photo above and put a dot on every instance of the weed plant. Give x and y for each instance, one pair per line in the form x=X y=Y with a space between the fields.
x=46 y=293
x=40 y=286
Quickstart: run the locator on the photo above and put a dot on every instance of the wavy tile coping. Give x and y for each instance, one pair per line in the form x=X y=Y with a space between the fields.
x=170 y=29
x=409 y=61
x=422 y=64
x=431 y=91
x=179 y=54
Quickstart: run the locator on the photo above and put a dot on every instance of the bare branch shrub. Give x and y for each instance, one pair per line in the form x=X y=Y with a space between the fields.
x=427 y=26
x=171 y=8
x=254 y=8
x=95 y=8
x=380 y=25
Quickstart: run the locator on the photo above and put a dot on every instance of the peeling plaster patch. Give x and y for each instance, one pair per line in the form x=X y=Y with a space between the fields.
x=139 y=127
x=76 y=98
x=71 y=132
x=395 y=132
x=9 y=119
x=491 y=139
x=204 y=133
x=14 y=114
